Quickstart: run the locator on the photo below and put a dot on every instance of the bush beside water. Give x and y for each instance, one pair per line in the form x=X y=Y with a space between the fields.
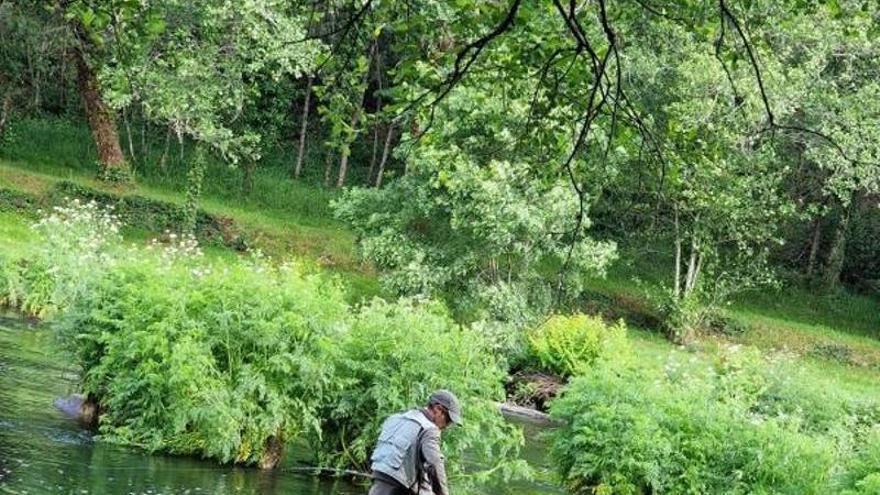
x=231 y=360
x=570 y=345
x=742 y=426
x=206 y=362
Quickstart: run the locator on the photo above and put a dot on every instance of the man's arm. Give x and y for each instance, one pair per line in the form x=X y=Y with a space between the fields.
x=434 y=463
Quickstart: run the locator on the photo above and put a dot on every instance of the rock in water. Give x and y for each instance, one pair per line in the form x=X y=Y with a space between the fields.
x=70 y=405
x=83 y=409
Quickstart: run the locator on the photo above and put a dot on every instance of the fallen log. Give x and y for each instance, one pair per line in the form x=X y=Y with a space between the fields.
x=512 y=411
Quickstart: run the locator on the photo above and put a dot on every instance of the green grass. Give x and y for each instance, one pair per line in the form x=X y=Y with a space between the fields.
x=861 y=314
x=791 y=319
x=15 y=233
x=283 y=218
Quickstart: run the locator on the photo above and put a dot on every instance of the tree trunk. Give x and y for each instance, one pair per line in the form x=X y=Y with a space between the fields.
x=693 y=269
x=131 y=155
x=247 y=183
x=101 y=122
x=144 y=150
x=303 y=128
x=389 y=134
x=355 y=117
x=4 y=112
x=164 y=160
x=346 y=151
x=375 y=153
x=815 y=243
x=377 y=58
x=676 y=290
x=328 y=165
x=837 y=250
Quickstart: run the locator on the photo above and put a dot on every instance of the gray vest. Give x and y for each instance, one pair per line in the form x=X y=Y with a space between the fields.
x=397 y=453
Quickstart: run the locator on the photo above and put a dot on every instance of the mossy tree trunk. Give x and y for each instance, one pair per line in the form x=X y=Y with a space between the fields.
x=101 y=121
x=273 y=453
x=815 y=244
x=837 y=249
x=304 y=127
x=5 y=109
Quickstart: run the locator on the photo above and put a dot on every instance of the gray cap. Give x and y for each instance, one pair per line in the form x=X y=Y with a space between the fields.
x=448 y=400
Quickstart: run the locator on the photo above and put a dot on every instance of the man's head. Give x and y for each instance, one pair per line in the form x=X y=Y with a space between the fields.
x=445 y=408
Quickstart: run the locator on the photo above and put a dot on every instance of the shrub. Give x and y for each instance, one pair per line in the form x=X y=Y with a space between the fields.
x=78 y=241
x=569 y=345
x=625 y=432
x=234 y=361
x=393 y=357
x=833 y=351
x=8 y=281
x=193 y=360
x=12 y=200
x=862 y=474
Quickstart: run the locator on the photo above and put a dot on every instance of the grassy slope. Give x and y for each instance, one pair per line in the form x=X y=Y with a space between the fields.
x=283 y=218
x=288 y=218
x=791 y=320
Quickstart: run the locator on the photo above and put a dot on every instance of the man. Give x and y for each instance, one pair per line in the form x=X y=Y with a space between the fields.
x=407 y=458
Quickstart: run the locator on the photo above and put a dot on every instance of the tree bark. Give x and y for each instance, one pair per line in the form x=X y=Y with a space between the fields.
x=389 y=135
x=815 y=243
x=355 y=117
x=837 y=250
x=144 y=150
x=101 y=121
x=676 y=291
x=164 y=159
x=693 y=269
x=328 y=165
x=4 y=112
x=302 y=131
x=375 y=153
x=346 y=151
x=378 y=59
x=125 y=121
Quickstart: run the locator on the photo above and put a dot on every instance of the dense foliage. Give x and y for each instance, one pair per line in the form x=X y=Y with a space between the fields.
x=739 y=138
x=393 y=356
x=744 y=425
x=235 y=360
x=217 y=364
x=570 y=345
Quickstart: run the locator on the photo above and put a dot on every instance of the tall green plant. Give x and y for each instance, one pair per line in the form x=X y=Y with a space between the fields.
x=392 y=358
x=187 y=359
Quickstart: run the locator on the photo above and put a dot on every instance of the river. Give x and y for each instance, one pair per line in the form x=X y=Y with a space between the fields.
x=43 y=451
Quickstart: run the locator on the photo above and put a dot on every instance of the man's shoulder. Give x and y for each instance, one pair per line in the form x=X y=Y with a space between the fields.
x=420 y=417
